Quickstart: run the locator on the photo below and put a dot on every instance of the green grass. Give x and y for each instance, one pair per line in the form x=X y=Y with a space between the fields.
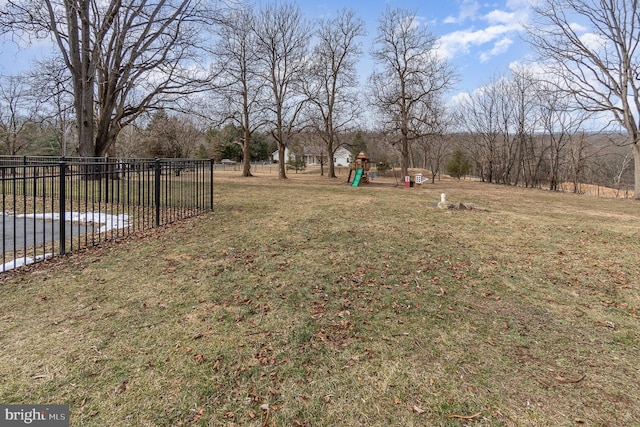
x=310 y=302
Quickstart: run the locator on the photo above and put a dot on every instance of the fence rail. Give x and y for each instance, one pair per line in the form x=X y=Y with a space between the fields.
x=52 y=206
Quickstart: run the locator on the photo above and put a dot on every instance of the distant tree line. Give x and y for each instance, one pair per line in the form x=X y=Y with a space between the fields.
x=242 y=80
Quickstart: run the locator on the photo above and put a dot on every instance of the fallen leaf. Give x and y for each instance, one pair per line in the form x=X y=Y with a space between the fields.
x=465 y=417
x=197 y=416
x=569 y=381
x=121 y=388
x=264 y=406
x=580 y=420
x=418 y=410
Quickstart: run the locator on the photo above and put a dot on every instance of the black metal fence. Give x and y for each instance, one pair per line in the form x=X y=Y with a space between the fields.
x=52 y=206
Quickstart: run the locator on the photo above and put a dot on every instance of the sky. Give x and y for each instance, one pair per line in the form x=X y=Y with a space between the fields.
x=480 y=38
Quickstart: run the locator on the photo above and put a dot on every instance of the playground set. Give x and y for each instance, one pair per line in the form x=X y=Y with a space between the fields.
x=361 y=167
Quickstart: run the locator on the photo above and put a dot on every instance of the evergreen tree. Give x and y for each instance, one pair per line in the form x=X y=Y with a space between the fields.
x=458 y=165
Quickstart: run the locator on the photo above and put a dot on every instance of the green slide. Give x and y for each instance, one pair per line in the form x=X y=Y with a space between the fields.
x=356 y=179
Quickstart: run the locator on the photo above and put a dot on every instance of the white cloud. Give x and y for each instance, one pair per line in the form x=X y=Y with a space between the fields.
x=450 y=20
x=577 y=28
x=500 y=30
x=468 y=11
x=533 y=67
x=461 y=41
x=460 y=98
x=501 y=17
x=594 y=42
x=499 y=48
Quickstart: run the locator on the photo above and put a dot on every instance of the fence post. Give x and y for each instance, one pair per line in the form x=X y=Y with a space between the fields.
x=107 y=177
x=211 y=162
x=157 y=191
x=62 y=206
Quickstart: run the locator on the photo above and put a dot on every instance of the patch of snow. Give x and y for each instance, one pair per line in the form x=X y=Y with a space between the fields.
x=21 y=262
x=108 y=222
x=111 y=222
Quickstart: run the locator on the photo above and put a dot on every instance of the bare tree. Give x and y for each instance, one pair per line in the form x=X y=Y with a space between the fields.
x=282 y=37
x=559 y=123
x=503 y=118
x=620 y=167
x=241 y=88
x=124 y=57
x=479 y=115
x=593 y=47
x=332 y=82
x=171 y=136
x=521 y=102
x=433 y=145
x=411 y=76
x=18 y=109
x=131 y=142
x=55 y=96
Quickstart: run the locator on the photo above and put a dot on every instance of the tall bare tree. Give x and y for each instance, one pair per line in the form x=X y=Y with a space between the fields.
x=333 y=81
x=124 y=56
x=593 y=46
x=522 y=102
x=242 y=89
x=282 y=37
x=410 y=77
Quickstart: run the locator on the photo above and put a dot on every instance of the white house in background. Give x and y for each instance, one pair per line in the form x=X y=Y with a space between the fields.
x=313 y=156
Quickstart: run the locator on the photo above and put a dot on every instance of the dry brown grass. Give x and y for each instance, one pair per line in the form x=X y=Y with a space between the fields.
x=309 y=302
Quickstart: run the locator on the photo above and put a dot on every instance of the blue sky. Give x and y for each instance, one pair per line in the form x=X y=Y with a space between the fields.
x=480 y=38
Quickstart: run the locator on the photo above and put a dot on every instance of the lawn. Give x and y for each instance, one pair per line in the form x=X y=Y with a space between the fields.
x=312 y=303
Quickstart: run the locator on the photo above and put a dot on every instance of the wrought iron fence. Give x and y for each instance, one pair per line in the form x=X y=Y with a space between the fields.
x=52 y=206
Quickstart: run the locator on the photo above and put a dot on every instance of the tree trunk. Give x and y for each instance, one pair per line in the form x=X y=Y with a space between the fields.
x=636 y=169
x=282 y=162
x=330 y=151
x=87 y=78
x=246 y=153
